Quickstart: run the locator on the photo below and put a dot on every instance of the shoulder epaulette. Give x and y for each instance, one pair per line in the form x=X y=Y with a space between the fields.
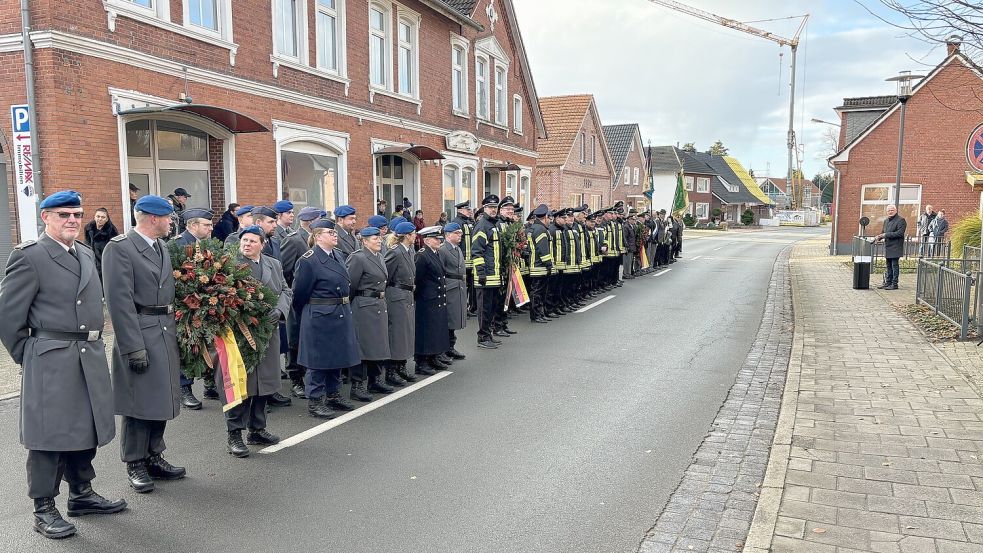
x=25 y=244
x=118 y=238
x=308 y=253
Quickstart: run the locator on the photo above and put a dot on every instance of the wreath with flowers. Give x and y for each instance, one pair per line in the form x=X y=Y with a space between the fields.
x=215 y=290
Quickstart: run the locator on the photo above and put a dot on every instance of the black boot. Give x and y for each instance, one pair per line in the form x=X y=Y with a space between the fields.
x=82 y=500
x=140 y=479
x=278 y=400
x=317 y=409
x=404 y=374
x=48 y=521
x=188 y=399
x=335 y=401
x=261 y=437
x=445 y=359
x=393 y=379
x=454 y=354
x=379 y=386
x=358 y=391
x=436 y=364
x=236 y=447
x=423 y=368
x=159 y=469
x=210 y=391
x=297 y=390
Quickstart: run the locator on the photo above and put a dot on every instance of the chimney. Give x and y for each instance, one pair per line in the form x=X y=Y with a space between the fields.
x=952 y=44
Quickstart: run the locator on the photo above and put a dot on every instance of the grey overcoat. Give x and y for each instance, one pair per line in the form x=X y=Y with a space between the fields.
x=66 y=401
x=368 y=275
x=399 y=300
x=457 y=292
x=136 y=275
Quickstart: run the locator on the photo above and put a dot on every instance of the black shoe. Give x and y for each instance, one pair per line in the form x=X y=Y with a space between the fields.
x=404 y=374
x=317 y=409
x=445 y=359
x=891 y=287
x=541 y=321
x=140 y=479
x=436 y=364
x=297 y=390
x=210 y=393
x=454 y=354
x=378 y=385
x=501 y=333
x=278 y=400
x=188 y=399
x=394 y=379
x=261 y=437
x=82 y=500
x=487 y=344
x=359 y=393
x=510 y=331
x=424 y=368
x=48 y=521
x=335 y=401
x=236 y=447
x=159 y=469
x=883 y=286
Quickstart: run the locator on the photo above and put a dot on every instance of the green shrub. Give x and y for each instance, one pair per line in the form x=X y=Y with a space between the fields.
x=689 y=220
x=965 y=233
x=747 y=218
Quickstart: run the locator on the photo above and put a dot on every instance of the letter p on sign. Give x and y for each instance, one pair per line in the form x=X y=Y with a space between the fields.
x=21 y=119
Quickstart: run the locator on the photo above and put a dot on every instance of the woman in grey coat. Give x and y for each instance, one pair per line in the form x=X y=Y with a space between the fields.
x=457 y=293
x=264 y=379
x=367 y=271
x=402 y=306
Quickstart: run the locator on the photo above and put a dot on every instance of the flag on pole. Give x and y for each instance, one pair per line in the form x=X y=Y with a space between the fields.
x=681 y=199
x=648 y=164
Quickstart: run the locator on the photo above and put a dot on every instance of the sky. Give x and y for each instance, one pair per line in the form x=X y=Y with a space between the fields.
x=688 y=80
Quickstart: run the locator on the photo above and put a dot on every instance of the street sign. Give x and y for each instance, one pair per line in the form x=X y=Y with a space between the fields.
x=27 y=198
x=974 y=149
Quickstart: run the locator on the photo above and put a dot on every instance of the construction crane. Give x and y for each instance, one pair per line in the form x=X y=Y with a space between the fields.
x=792 y=43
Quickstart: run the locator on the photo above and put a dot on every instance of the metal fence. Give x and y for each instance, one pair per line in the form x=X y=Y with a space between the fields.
x=953 y=294
x=913 y=248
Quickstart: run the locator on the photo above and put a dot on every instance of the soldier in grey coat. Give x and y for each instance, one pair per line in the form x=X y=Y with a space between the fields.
x=455 y=270
x=146 y=363
x=367 y=271
x=264 y=379
x=401 y=305
x=51 y=300
x=346 y=220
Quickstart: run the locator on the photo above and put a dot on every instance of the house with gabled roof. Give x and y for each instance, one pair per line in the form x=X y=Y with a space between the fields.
x=731 y=194
x=627 y=153
x=575 y=165
x=942 y=162
x=777 y=190
x=665 y=168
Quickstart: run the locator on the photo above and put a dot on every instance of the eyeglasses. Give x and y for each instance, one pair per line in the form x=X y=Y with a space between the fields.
x=69 y=214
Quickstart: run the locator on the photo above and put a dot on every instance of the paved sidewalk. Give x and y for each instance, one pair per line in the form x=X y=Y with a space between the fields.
x=879 y=443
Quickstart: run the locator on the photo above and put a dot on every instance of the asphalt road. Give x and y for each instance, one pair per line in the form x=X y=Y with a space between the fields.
x=569 y=438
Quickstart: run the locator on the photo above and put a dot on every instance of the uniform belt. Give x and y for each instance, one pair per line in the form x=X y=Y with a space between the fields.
x=371 y=294
x=90 y=336
x=407 y=287
x=329 y=301
x=155 y=309
x=455 y=277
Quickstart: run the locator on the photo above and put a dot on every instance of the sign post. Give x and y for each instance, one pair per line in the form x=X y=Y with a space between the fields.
x=23 y=158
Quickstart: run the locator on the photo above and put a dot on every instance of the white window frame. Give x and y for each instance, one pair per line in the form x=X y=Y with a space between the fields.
x=517 y=114
x=412 y=19
x=301 y=31
x=634 y=176
x=387 y=50
x=292 y=137
x=593 y=150
x=465 y=46
x=688 y=182
x=481 y=87
x=223 y=20
x=525 y=188
x=583 y=147
x=339 y=13
x=159 y=15
x=627 y=172
x=702 y=210
x=511 y=184
x=501 y=94
x=703 y=185
x=460 y=165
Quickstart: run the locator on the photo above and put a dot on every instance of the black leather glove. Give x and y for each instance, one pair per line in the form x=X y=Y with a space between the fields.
x=482 y=280
x=138 y=361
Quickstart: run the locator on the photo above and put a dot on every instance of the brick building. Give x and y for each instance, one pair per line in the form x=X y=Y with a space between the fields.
x=943 y=149
x=777 y=189
x=630 y=170
x=351 y=101
x=574 y=166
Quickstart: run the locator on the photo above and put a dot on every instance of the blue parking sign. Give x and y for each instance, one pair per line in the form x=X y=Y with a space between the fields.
x=21 y=118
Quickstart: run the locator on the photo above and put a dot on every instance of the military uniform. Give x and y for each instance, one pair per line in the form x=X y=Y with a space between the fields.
x=432 y=339
x=467 y=226
x=402 y=310
x=455 y=271
x=368 y=277
x=540 y=265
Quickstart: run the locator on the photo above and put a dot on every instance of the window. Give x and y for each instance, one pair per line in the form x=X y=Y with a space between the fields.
x=510 y=185
x=310 y=176
x=458 y=187
x=876 y=197
x=702 y=210
x=203 y=14
x=595 y=202
x=634 y=175
x=164 y=155
x=450 y=190
x=467 y=184
x=576 y=200
x=330 y=35
x=517 y=114
x=583 y=147
x=481 y=86
x=524 y=193
x=287 y=36
x=501 y=91
x=459 y=76
x=733 y=188
x=703 y=184
x=593 y=150
x=688 y=183
x=380 y=54
x=407 y=57
x=627 y=176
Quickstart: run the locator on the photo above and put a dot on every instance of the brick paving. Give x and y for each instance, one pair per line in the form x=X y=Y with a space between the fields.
x=712 y=508
x=885 y=440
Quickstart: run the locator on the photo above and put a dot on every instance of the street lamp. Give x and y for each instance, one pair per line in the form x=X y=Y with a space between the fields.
x=814 y=120
x=904 y=80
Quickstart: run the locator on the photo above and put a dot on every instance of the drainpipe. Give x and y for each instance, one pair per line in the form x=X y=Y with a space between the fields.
x=836 y=208
x=25 y=16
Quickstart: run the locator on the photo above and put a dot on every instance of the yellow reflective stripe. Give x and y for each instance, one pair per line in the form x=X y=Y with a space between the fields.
x=477 y=234
x=541 y=237
x=547 y=257
x=479 y=261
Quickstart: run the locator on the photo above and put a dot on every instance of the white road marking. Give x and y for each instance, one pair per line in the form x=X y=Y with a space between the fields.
x=352 y=415
x=662 y=272
x=595 y=304
x=697 y=257
x=720 y=248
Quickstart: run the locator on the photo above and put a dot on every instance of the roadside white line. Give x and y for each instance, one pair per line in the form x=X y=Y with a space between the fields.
x=662 y=272
x=720 y=248
x=352 y=415
x=595 y=304
x=697 y=257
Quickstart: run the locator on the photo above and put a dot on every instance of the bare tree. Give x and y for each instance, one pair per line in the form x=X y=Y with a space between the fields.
x=934 y=21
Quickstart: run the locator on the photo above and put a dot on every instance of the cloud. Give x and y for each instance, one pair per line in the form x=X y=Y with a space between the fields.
x=688 y=80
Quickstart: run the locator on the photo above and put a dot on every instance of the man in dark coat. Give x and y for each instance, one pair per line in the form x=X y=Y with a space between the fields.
x=179 y=198
x=346 y=220
x=295 y=246
x=51 y=300
x=540 y=264
x=139 y=291
x=245 y=216
x=893 y=235
x=432 y=339
x=227 y=224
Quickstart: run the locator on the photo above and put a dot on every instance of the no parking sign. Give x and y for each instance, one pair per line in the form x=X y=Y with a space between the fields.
x=974 y=149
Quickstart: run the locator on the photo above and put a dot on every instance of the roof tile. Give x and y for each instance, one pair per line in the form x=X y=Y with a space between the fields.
x=563 y=116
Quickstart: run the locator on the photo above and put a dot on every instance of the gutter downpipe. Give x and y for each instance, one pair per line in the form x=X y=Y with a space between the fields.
x=25 y=15
x=836 y=207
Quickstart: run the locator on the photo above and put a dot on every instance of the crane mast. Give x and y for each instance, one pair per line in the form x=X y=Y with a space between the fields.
x=795 y=192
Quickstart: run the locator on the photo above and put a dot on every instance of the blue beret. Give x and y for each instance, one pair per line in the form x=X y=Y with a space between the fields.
x=254 y=229
x=395 y=221
x=344 y=211
x=65 y=198
x=283 y=206
x=322 y=223
x=378 y=221
x=196 y=213
x=368 y=231
x=404 y=228
x=309 y=213
x=154 y=205
x=451 y=227
x=244 y=210
x=263 y=210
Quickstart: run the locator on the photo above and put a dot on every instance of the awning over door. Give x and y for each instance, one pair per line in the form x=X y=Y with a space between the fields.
x=422 y=153
x=233 y=121
x=503 y=167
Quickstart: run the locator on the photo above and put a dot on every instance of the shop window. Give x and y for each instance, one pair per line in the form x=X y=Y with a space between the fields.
x=310 y=177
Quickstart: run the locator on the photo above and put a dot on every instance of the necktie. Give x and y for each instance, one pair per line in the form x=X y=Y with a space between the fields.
x=74 y=253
